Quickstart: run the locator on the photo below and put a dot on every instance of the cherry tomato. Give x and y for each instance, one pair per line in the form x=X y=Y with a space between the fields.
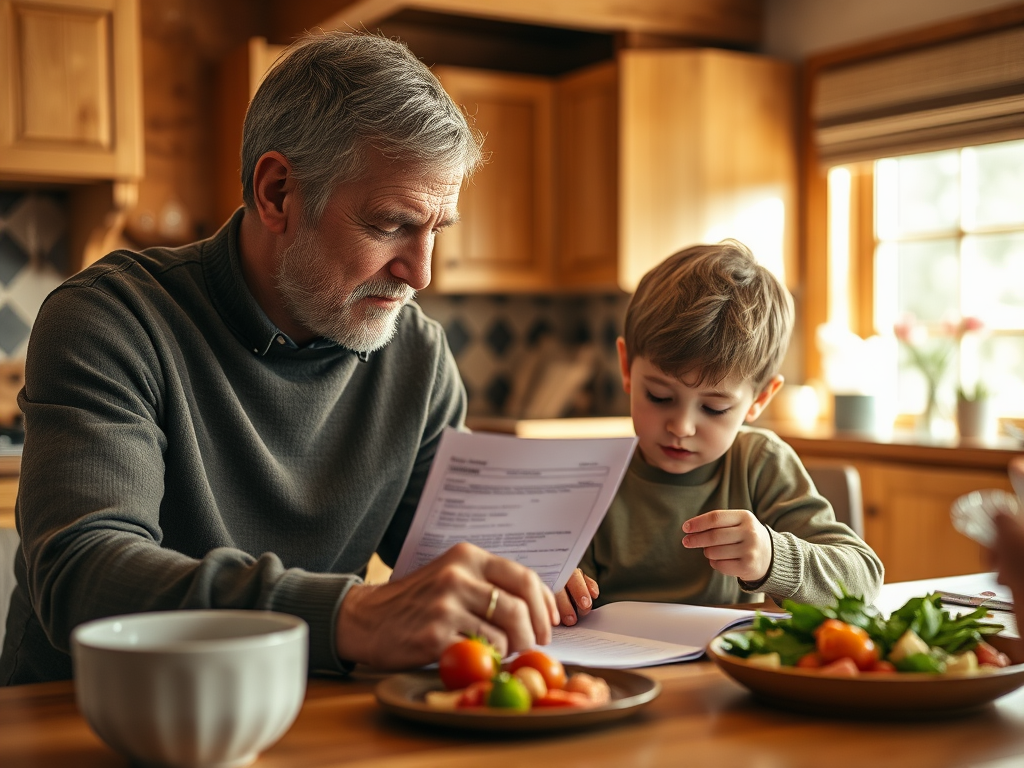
x=468 y=661
x=475 y=695
x=810 y=660
x=556 y=697
x=837 y=640
x=882 y=666
x=844 y=667
x=551 y=669
x=987 y=655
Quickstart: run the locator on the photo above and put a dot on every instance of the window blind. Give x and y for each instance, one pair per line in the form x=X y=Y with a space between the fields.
x=953 y=94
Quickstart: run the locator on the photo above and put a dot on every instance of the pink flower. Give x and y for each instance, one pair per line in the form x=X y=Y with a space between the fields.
x=909 y=331
x=969 y=323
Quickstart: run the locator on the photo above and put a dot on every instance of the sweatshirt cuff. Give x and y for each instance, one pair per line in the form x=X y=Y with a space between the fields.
x=783 y=578
x=316 y=598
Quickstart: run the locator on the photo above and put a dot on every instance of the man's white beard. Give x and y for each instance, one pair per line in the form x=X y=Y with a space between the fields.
x=304 y=279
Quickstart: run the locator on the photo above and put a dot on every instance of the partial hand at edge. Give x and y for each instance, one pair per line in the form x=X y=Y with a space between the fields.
x=408 y=622
x=576 y=600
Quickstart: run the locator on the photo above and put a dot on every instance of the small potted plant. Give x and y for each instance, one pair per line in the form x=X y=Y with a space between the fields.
x=974 y=412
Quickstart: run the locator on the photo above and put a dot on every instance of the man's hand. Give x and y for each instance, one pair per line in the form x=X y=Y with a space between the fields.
x=407 y=623
x=577 y=598
x=734 y=541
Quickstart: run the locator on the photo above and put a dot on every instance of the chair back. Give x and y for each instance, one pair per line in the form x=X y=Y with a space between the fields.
x=840 y=485
x=8 y=551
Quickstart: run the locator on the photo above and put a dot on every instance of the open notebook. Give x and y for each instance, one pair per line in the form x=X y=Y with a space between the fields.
x=637 y=634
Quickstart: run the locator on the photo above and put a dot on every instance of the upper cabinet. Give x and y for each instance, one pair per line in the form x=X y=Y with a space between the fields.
x=707 y=150
x=653 y=152
x=587 y=178
x=70 y=90
x=505 y=239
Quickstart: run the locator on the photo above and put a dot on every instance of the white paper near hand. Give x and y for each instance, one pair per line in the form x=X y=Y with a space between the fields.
x=534 y=501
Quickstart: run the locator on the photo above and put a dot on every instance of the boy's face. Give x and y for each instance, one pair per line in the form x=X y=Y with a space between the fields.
x=682 y=426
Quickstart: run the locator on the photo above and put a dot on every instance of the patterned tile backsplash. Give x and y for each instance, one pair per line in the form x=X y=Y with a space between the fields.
x=492 y=337
x=34 y=259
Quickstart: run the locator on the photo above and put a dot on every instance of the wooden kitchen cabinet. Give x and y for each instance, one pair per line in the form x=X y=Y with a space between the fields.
x=653 y=152
x=70 y=90
x=504 y=241
x=907 y=519
x=908 y=489
x=664 y=149
x=587 y=178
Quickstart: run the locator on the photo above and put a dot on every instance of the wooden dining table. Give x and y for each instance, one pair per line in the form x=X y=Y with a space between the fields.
x=701 y=718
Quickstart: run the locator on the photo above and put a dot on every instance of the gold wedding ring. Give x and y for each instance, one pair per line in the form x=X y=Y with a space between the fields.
x=492 y=605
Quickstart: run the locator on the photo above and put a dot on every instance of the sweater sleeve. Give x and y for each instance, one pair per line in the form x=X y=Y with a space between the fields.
x=92 y=484
x=812 y=553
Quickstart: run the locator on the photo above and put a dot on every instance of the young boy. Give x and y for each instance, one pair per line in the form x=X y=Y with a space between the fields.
x=705 y=335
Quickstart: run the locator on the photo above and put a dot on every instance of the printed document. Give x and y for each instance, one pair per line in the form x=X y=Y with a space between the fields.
x=534 y=501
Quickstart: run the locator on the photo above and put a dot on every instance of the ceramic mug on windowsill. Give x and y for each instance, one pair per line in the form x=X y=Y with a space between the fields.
x=855 y=413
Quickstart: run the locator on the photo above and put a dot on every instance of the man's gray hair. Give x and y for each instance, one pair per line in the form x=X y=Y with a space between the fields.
x=335 y=95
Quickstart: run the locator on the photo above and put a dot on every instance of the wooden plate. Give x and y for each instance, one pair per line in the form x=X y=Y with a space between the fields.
x=403 y=695
x=901 y=695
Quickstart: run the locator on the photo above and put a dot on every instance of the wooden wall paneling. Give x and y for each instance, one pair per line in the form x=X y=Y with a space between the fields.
x=233 y=94
x=238 y=76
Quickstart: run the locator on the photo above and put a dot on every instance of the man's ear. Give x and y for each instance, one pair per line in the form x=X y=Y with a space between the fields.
x=620 y=344
x=764 y=397
x=274 y=188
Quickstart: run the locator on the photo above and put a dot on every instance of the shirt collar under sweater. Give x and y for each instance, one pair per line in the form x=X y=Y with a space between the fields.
x=651 y=474
x=236 y=304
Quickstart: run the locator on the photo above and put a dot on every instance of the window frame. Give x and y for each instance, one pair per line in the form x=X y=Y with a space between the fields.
x=814 y=297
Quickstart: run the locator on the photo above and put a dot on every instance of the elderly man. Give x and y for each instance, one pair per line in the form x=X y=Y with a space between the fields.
x=242 y=422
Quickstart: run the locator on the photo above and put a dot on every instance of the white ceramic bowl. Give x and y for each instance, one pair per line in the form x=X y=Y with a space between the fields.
x=191 y=688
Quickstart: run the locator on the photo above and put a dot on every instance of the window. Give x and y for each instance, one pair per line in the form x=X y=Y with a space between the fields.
x=947 y=242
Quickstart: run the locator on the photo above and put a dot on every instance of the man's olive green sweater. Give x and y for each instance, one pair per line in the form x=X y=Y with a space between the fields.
x=179 y=453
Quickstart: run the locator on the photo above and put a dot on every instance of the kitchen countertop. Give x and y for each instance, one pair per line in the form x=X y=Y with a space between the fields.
x=823 y=441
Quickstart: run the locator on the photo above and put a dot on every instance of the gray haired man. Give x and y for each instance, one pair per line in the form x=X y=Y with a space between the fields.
x=242 y=422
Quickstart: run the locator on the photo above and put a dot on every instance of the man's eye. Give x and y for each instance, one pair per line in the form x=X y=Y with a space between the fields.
x=658 y=400
x=713 y=412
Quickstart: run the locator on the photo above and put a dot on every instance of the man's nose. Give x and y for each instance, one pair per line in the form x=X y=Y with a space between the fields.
x=412 y=266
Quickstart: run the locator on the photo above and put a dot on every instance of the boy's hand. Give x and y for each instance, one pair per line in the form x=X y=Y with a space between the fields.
x=734 y=541
x=577 y=599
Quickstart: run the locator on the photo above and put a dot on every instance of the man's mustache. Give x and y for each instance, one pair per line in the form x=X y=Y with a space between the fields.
x=387 y=289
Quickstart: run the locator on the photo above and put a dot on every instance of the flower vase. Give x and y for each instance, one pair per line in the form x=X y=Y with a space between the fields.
x=930 y=423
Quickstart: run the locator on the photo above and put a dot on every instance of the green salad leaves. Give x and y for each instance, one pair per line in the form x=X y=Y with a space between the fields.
x=793 y=637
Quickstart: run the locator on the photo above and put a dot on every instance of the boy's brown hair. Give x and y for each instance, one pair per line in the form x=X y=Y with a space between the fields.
x=713 y=310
